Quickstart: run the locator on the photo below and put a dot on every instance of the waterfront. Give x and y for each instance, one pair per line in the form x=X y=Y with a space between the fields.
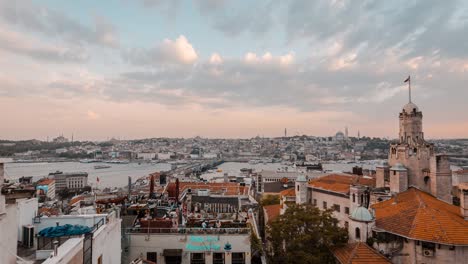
x=117 y=175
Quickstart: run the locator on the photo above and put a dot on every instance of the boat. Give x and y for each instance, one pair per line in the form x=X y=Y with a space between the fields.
x=97 y=167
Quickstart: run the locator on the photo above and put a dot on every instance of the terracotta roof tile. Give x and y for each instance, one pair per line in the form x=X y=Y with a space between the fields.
x=288 y=192
x=75 y=200
x=272 y=211
x=45 y=181
x=358 y=253
x=340 y=183
x=418 y=215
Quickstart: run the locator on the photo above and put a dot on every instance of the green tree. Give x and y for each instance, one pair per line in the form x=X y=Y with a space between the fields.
x=304 y=234
x=270 y=200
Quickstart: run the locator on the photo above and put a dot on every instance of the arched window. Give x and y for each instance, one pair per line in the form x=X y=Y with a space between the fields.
x=298 y=188
x=362 y=199
x=358 y=233
x=354 y=198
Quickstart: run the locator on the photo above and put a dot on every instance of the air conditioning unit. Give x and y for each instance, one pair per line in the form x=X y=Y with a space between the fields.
x=428 y=252
x=28 y=236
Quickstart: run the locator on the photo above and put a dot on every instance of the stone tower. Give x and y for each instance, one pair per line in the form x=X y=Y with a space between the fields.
x=412 y=151
x=301 y=189
x=413 y=161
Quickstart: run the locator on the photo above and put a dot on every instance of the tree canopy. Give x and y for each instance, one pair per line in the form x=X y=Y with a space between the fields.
x=270 y=200
x=304 y=234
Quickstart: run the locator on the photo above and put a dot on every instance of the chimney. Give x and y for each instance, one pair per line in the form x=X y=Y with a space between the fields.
x=55 y=247
x=463 y=191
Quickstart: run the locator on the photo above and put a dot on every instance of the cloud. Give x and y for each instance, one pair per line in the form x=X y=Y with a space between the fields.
x=91 y=115
x=29 y=16
x=216 y=59
x=23 y=45
x=179 y=51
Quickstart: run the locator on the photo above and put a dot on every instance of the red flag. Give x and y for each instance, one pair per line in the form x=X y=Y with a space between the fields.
x=407 y=79
x=97 y=179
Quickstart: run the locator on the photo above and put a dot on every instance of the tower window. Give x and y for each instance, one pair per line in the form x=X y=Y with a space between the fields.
x=354 y=198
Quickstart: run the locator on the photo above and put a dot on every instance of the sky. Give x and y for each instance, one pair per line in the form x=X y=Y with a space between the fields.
x=230 y=68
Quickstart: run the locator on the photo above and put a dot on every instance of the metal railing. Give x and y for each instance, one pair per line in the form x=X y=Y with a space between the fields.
x=183 y=230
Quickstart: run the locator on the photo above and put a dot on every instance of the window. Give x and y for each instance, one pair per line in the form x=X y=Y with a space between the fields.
x=358 y=233
x=324 y=205
x=197 y=258
x=152 y=256
x=99 y=260
x=238 y=258
x=218 y=258
x=346 y=210
x=346 y=224
x=354 y=198
x=315 y=202
x=297 y=187
x=336 y=207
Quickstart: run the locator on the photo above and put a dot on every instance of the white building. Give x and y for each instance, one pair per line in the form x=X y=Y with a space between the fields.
x=101 y=246
x=9 y=234
x=71 y=181
x=185 y=246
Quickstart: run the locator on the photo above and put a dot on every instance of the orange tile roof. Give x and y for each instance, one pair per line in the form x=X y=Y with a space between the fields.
x=421 y=216
x=45 y=181
x=358 y=253
x=272 y=211
x=76 y=199
x=48 y=211
x=288 y=192
x=340 y=183
x=231 y=188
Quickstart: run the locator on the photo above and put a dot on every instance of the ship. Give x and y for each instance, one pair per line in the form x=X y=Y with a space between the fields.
x=97 y=167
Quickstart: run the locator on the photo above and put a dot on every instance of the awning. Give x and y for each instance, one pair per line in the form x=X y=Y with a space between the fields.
x=172 y=252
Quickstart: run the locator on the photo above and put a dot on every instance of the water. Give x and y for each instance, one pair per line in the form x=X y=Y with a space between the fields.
x=116 y=176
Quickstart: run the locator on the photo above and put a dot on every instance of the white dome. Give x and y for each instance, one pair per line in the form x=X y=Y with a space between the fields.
x=361 y=214
x=410 y=107
x=398 y=167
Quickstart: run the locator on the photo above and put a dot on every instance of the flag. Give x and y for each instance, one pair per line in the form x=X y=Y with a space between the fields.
x=407 y=79
x=97 y=179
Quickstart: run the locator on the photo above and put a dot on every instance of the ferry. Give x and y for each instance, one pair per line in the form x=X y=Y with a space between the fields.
x=97 y=167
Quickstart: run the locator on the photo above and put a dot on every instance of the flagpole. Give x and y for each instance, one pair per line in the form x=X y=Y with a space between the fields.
x=409 y=85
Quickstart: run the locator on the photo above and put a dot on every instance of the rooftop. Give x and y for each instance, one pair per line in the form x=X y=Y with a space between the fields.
x=272 y=211
x=340 y=183
x=357 y=253
x=288 y=192
x=418 y=215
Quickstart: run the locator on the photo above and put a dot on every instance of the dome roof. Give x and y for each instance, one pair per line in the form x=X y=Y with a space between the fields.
x=339 y=133
x=301 y=178
x=362 y=214
x=398 y=167
x=410 y=107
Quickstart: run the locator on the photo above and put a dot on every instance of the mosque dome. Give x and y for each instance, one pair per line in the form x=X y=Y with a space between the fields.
x=410 y=107
x=362 y=214
x=339 y=134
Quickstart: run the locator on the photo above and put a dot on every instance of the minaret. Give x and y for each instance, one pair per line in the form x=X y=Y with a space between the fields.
x=358 y=134
x=346 y=132
x=285 y=132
